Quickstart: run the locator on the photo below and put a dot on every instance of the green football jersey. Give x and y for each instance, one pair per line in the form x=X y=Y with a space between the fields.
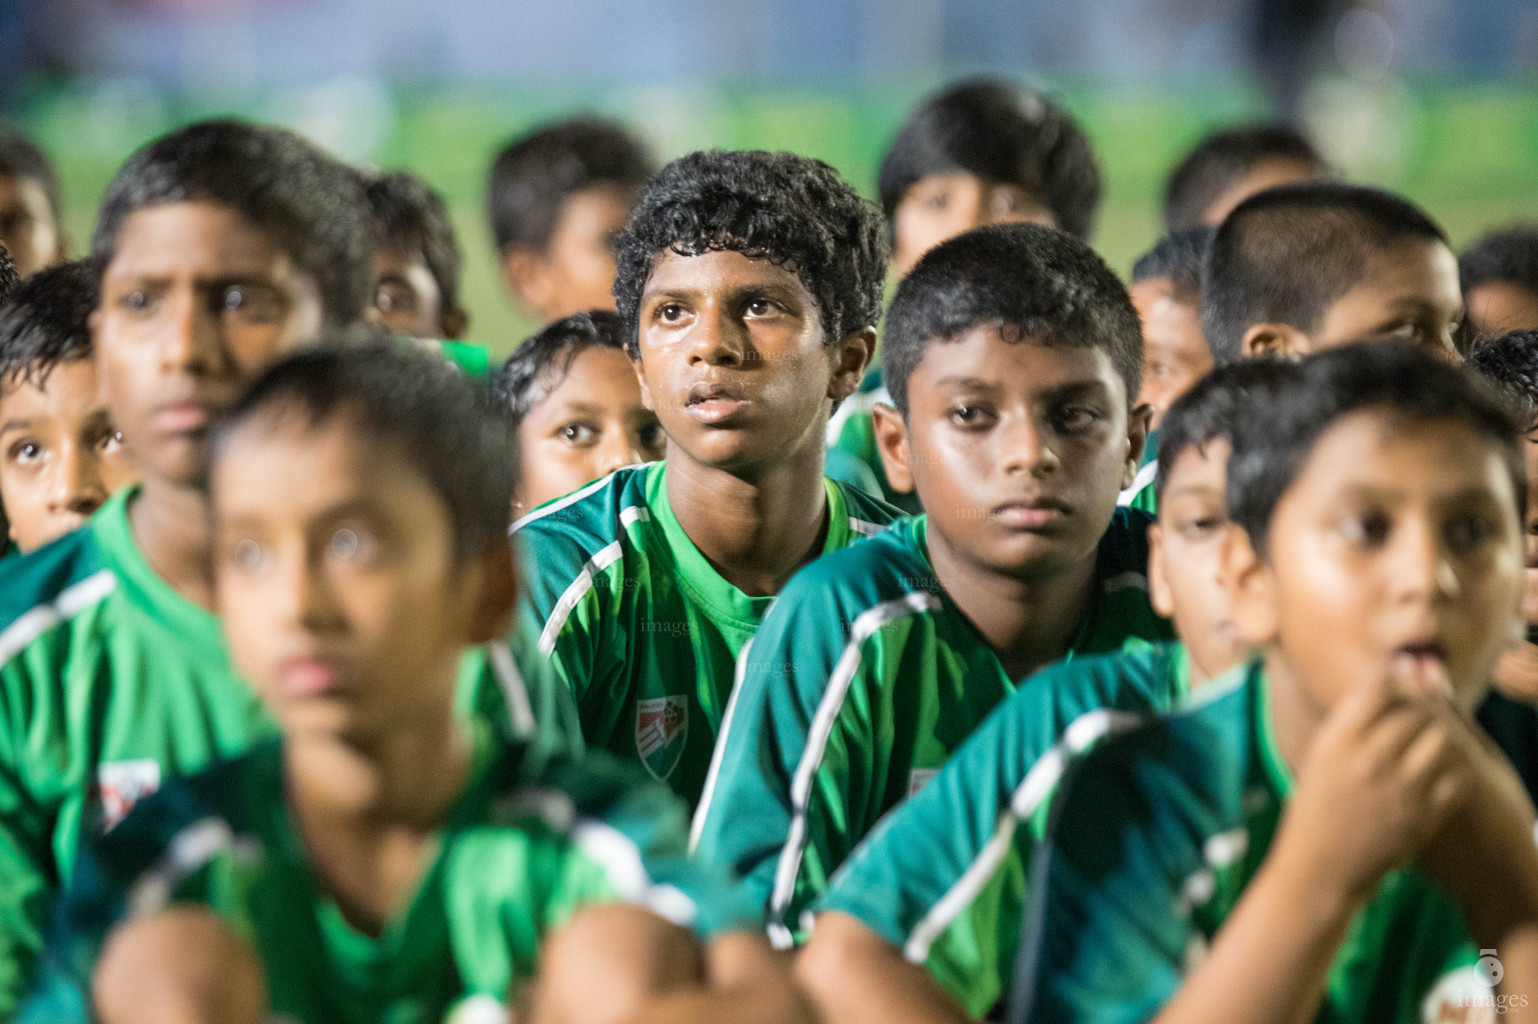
x=531 y=840
x=852 y=435
x=110 y=681
x=638 y=622
x=944 y=876
x=1142 y=495
x=1153 y=842
x=863 y=680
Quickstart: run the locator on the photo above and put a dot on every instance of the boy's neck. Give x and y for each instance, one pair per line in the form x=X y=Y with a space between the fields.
x=756 y=529
x=1295 y=717
x=171 y=524
x=367 y=810
x=1027 y=623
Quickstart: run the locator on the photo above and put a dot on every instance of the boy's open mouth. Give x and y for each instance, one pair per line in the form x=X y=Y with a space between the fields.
x=1423 y=663
x=714 y=403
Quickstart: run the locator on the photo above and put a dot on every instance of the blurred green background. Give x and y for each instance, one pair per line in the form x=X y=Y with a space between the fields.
x=1468 y=153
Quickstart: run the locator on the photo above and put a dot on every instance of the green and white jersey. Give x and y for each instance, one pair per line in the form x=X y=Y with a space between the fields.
x=1153 y=842
x=944 y=877
x=530 y=841
x=862 y=682
x=852 y=435
x=110 y=681
x=1142 y=494
x=635 y=619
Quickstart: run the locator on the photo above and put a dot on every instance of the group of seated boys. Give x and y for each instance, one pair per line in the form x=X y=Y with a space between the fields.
x=835 y=613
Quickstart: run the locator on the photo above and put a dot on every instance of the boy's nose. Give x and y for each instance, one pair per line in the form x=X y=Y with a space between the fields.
x=77 y=483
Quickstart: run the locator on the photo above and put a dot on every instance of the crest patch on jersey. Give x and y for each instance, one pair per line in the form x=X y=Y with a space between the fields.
x=661 y=728
x=123 y=784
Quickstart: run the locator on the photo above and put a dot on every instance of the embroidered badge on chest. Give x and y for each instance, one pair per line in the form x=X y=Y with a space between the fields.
x=123 y=784
x=661 y=729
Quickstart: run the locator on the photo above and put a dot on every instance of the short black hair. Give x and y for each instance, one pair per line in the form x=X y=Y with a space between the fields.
x=47 y=321
x=1221 y=160
x=532 y=176
x=1511 y=364
x=1178 y=257
x=9 y=276
x=1042 y=284
x=1287 y=254
x=1509 y=255
x=793 y=211
x=999 y=131
x=525 y=378
x=311 y=205
x=1211 y=408
x=411 y=216
x=22 y=160
x=396 y=393
x=1273 y=440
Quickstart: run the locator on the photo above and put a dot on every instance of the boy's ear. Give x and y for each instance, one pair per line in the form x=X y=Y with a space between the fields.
x=1273 y=339
x=1250 y=583
x=1139 y=422
x=892 y=444
x=528 y=276
x=492 y=617
x=1158 y=581
x=453 y=324
x=646 y=392
x=850 y=360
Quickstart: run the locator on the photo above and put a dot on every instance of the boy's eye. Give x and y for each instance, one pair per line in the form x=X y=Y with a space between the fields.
x=651 y=437
x=1465 y=533
x=247 y=555
x=1197 y=528
x=670 y=312
x=579 y=433
x=251 y=301
x=27 y=453
x=135 y=301
x=969 y=416
x=1075 y=417
x=352 y=545
x=1370 y=529
x=937 y=201
x=111 y=441
x=395 y=298
x=760 y=307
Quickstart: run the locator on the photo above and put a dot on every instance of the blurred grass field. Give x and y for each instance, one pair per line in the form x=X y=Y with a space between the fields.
x=1468 y=153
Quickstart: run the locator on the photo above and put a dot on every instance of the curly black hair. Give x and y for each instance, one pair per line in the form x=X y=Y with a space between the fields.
x=411 y=216
x=791 y=210
x=311 y=205
x=1510 y=362
x=1039 y=283
x=47 y=321
x=9 y=277
x=1000 y=131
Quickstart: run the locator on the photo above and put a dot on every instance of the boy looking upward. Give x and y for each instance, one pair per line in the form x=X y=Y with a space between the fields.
x=576 y=404
x=1013 y=355
x=1323 y=834
x=61 y=456
x=750 y=284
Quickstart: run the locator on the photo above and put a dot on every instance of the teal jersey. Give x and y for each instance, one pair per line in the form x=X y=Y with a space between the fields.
x=530 y=841
x=945 y=876
x=1142 y=495
x=1153 y=842
x=635 y=619
x=852 y=436
x=110 y=681
x=863 y=680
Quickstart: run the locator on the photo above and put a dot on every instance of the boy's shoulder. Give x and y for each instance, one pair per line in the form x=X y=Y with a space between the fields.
x=868 y=515
x=890 y=566
x=591 y=518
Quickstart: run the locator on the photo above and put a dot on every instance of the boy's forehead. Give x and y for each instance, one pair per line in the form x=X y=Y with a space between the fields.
x=1003 y=356
x=176 y=237
x=718 y=270
x=1379 y=448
